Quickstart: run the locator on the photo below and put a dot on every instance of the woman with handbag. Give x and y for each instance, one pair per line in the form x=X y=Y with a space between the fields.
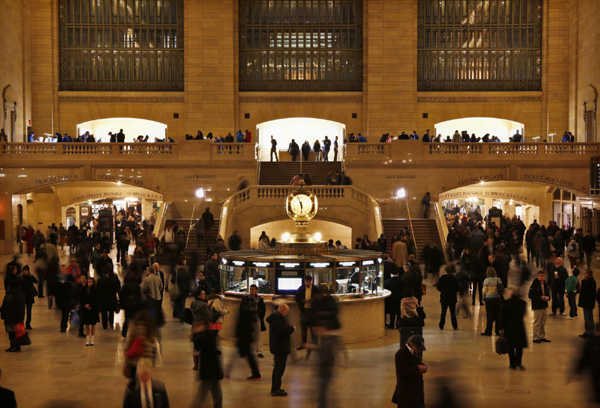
x=89 y=310
x=513 y=311
x=142 y=342
x=216 y=301
x=27 y=284
x=13 y=312
x=493 y=301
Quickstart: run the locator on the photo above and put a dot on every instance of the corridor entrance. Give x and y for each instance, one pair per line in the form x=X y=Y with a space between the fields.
x=501 y=128
x=132 y=128
x=299 y=129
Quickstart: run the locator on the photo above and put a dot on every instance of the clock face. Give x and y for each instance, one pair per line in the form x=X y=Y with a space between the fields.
x=301 y=205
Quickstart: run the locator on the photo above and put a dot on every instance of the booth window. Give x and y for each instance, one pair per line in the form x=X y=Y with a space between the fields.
x=124 y=45
x=479 y=45
x=301 y=45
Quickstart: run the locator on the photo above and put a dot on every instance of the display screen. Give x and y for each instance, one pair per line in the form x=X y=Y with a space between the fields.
x=289 y=284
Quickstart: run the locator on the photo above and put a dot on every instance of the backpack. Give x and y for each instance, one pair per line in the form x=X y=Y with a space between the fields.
x=573 y=246
x=499 y=287
x=42 y=253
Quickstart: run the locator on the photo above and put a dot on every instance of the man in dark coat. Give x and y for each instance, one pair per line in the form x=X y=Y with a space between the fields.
x=448 y=287
x=280 y=346
x=181 y=278
x=235 y=242
x=539 y=293
x=254 y=306
x=513 y=311
x=588 y=247
x=392 y=302
x=209 y=220
x=304 y=297
x=587 y=301
x=559 y=277
x=590 y=360
x=410 y=391
x=294 y=149
x=104 y=263
x=7 y=397
x=305 y=150
x=13 y=312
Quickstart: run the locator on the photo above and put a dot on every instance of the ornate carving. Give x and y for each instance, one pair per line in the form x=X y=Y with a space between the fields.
x=122 y=99
x=479 y=99
x=300 y=99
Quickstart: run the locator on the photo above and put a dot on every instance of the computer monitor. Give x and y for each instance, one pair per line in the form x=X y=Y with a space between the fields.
x=288 y=284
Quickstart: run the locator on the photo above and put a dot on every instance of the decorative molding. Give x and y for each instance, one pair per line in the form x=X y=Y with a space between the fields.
x=122 y=99
x=301 y=99
x=479 y=99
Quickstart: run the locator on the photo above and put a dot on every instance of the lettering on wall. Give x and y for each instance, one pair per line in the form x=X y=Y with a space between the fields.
x=200 y=176
x=125 y=193
x=547 y=179
x=128 y=180
x=483 y=193
x=56 y=179
x=474 y=180
x=400 y=176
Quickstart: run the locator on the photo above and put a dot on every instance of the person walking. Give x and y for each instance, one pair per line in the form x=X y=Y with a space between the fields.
x=143 y=328
x=448 y=288
x=145 y=391
x=199 y=231
x=182 y=279
x=587 y=301
x=392 y=302
x=571 y=291
x=493 y=301
x=425 y=204
x=131 y=299
x=109 y=288
x=253 y=307
x=410 y=391
x=210 y=371
x=215 y=300
x=539 y=293
x=280 y=346
x=13 y=313
x=209 y=220
x=588 y=247
x=89 y=317
x=513 y=328
x=27 y=284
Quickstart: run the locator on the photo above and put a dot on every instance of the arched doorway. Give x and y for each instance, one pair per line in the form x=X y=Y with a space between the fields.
x=299 y=129
x=132 y=128
x=501 y=128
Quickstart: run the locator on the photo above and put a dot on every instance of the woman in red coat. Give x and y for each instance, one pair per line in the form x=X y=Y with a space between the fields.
x=29 y=239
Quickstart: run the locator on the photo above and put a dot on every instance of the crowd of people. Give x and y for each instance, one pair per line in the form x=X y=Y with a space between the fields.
x=463 y=137
x=333 y=178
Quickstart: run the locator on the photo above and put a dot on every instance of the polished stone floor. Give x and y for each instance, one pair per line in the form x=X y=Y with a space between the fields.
x=57 y=370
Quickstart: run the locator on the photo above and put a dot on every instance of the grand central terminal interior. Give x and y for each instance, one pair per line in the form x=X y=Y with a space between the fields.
x=248 y=145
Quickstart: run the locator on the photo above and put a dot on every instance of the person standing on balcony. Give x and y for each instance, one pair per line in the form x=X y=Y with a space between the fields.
x=426 y=137
x=305 y=150
x=425 y=202
x=335 y=148
x=240 y=137
x=121 y=136
x=317 y=150
x=274 y=149
x=294 y=149
x=326 y=148
x=248 y=136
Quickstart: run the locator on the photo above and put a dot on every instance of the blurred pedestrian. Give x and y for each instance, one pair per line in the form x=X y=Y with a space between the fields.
x=216 y=301
x=13 y=312
x=513 y=328
x=587 y=301
x=27 y=283
x=109 y=288
x=280 y=346
x=7 y=396
x=145 y=391
x=493 y=301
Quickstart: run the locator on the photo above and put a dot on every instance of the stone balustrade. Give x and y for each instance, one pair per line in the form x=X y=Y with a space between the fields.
x=20 y=153
x=408 y=150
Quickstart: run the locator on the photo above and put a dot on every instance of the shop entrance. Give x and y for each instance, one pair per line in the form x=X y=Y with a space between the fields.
x=501 y=128
x=133 y=128
x=299 y=129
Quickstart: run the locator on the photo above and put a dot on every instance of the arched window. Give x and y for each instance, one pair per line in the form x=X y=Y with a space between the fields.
x=301 y=45
x=480 y=45
x=125 y=45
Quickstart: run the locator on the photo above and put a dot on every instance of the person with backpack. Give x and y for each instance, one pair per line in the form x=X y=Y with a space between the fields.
x=492 y=288
x=573 y=252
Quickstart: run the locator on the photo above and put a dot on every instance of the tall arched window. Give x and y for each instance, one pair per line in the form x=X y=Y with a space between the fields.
x=121 y=45
x=301 y=45
x=480 y=45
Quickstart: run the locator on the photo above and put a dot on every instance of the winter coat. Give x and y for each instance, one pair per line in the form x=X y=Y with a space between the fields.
x=279 y=334
x=13 y=307
x=587 y=297
x=513 y=311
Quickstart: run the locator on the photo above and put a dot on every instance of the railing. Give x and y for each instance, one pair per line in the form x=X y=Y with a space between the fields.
x=161 y=219
x=281 y=192
x=442 y=227
x=417 y=150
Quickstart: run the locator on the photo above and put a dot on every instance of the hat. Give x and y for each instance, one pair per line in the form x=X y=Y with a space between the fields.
x=417 y=340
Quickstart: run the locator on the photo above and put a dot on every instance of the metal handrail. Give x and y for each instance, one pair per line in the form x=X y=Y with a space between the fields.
x=442 y=228
x=412 y=230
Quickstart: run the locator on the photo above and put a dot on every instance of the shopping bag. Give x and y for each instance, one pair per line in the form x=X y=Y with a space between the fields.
x=20 y=330
x=23 y=340
x=136 y=350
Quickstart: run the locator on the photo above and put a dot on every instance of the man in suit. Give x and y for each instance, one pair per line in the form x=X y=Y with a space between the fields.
x=448 y=287
x=121 y=136
x=7 y=397
x=513 y=311
x=559 y=277
x=539 y=293
x=304 y=296
x=410 y=391
x=146 y=391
